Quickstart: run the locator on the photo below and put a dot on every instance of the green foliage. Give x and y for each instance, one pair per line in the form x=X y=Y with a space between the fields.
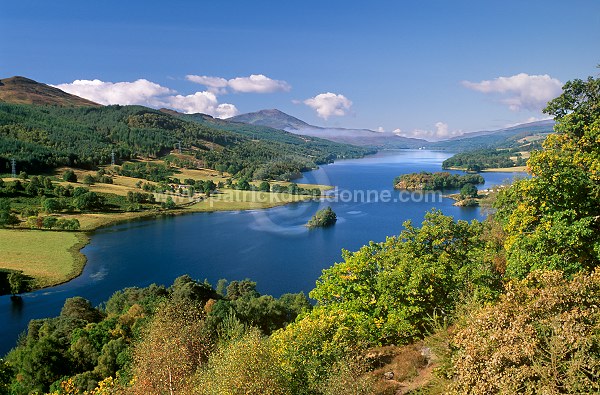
x=436 y=181
x=552 y=219
x=386 y=293
x=88 y=201
x=70 y=176
x=264 y=187
x=144 y=333
x=5 y=377
x=310 y=346
x=392 y=288
x=322 y=218
x=245 y=365
x=83 y=342
x=294 y=189
x=89 y=179
x=52 y=205
x=169 y=204
x=156 y=172
x=468 y=191
x=481 y=159
x=43 y=137
x=78 y=308
x=140 y=197
x=7 y=218
x=241 y=289
x=17 y=282
x=67 y=224
x=184 y=288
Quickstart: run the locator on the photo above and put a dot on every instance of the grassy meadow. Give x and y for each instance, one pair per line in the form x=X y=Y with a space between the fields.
x=49 y=257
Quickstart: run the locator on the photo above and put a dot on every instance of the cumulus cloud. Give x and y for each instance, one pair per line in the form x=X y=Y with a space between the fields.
x=214 y=84
x=255 y=83
x=521 y=91
x=147 y=93
x=380 y=129
x=258 y=83
x=204 y=102
x=137 y=92
x=439 y=132
x=328 y=104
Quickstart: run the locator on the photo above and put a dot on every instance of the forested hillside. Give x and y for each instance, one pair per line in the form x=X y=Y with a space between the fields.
x=505 y=306
x=45 y=137
x=503 y=138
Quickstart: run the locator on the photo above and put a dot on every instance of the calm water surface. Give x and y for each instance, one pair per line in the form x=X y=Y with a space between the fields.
x=270 y=246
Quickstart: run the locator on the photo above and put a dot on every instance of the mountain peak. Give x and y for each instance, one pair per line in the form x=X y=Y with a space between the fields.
x=22 y=90
x=273 y=118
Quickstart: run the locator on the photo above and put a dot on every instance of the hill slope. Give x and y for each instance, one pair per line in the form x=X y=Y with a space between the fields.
x=44 y=137
x=21 y=90
x=502 y=138
x=267 y=133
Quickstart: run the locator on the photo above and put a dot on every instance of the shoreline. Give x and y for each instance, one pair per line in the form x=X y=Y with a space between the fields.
x=514 y=169
x=104 y=220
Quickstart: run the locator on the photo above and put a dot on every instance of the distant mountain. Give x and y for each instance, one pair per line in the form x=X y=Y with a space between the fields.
x=502 y=138
x=258 y=132
x=21 y=90
x=272 y=118
x=362 y=137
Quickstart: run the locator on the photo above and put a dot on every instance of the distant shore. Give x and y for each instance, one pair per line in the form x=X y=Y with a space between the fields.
x=514 y=169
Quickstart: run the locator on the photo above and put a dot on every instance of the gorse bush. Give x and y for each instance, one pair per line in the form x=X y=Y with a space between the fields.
x=542 y=337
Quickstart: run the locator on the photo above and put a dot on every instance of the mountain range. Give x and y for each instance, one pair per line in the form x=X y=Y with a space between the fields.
x=369 y=138
x=361 y=137
x=264 y=123
x=42 y=128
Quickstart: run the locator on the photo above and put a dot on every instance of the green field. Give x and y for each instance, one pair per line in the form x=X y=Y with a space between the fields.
x=49 y=257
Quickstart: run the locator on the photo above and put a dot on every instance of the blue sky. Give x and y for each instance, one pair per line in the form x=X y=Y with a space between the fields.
x=422 y=68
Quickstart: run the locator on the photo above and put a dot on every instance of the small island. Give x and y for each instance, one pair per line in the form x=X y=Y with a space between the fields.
x=323 y=218
x=435 y=181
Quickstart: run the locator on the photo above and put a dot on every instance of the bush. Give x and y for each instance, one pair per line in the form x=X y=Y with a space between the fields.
x=247 y=365
x=541 y=338
x=70 y=176
x=468 y=191
x=89 y=179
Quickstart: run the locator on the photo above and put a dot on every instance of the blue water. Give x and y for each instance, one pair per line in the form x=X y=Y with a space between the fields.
x=272 y=247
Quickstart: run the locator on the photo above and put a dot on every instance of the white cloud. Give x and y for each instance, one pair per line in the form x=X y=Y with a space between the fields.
x=204 y=102
x=328 y=104
x=137 y=92
x=258 y=83
x=226 y=110
x=521 y=91
x=147 y=93
x=255 y=83
x=214 y=84
x=440 y=132
x=528 y=120
x=380 y=129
